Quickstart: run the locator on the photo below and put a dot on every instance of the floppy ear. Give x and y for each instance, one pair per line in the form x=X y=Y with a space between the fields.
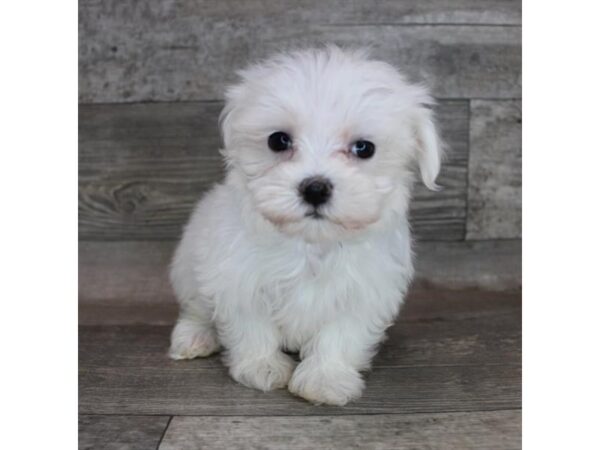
x=232 y=96
x=429 y=147
x=228 y=121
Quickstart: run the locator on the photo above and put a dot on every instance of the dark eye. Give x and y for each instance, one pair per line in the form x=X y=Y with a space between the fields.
x=363 y=149
x=280 y=141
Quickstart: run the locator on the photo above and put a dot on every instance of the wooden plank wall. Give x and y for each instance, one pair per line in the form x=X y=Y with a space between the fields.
x=152 y=74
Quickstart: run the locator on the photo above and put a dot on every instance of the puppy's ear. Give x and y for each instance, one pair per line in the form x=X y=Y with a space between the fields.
x=429 y=147
x=232 y=96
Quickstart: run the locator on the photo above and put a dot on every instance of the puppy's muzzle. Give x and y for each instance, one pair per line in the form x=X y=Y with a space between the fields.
x=315 y=190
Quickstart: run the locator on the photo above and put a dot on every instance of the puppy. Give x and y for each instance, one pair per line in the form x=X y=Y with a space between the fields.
x=305 y=247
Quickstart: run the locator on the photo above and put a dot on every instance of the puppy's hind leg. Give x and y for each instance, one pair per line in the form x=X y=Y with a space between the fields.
x=193 y=336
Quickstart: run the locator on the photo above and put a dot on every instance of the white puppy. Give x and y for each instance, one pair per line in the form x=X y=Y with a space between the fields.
x=305 y=246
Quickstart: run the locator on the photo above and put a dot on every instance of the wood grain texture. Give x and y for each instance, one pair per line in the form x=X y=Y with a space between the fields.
x=142 y=167
x=468 y=12
x=443 y=363
x=499 y=430
x=121 y=432
x=190 y=391
x=485 y=339
x=495 y=170
x=493 y=265
x=125 y=272
x=182 y=51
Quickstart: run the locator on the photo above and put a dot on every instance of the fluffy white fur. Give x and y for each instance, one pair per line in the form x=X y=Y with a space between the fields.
x=255 y=276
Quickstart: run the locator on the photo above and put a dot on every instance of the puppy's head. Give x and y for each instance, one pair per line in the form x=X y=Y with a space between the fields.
x=325 y=141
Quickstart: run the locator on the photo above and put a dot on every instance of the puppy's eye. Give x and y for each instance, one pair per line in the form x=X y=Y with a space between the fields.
x=280 y=141
x=363 y=149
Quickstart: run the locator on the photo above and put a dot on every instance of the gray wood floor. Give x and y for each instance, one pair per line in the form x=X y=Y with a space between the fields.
x=449 y=376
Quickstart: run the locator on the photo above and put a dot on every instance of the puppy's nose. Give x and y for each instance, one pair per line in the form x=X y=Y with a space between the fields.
x=316 y=190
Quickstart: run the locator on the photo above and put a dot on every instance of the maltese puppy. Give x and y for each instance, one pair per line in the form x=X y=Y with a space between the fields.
x=305 y=246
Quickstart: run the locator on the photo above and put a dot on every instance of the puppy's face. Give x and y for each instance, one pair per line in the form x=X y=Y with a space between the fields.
x=325 y=140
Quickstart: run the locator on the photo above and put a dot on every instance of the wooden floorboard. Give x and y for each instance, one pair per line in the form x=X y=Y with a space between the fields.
x=479 y=340
x=193 y=390
x=121 y=432
x=495 y=170
x=436 y=360
x=499 y=430
x=182 y=51
x=448 y=377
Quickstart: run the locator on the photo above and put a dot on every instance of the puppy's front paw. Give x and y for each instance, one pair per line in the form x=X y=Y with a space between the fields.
x=329 y=384
x=265 y=374
x=190 y=340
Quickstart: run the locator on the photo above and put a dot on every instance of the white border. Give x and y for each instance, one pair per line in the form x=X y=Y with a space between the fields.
x=38 y=188
x=561 y=226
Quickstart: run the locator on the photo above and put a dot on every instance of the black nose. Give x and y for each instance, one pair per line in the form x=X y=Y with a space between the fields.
x=316 y=190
